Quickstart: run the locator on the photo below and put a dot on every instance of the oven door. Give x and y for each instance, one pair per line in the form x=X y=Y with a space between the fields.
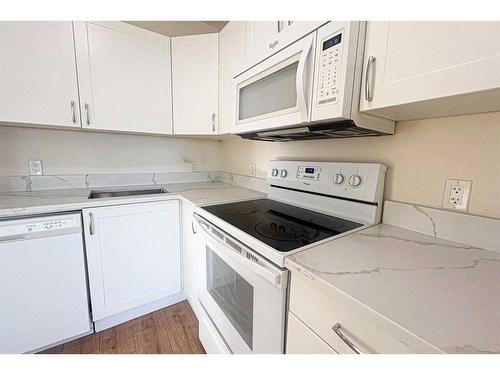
x=278 y=91
x=245 y=301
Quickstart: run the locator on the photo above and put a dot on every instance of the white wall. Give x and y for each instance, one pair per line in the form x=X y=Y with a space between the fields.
x=420 y=157
x=78 y=152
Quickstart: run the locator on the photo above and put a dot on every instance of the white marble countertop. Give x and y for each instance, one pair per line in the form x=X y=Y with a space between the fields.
x=446 y=293
x=14 y=204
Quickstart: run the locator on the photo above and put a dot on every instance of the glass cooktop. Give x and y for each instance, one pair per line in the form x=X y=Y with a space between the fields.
x=282 y=226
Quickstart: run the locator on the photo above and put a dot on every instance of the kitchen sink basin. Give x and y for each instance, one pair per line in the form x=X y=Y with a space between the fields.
x=124 y=193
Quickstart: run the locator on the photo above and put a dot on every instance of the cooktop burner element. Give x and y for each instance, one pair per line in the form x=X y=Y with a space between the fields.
x=282 y=226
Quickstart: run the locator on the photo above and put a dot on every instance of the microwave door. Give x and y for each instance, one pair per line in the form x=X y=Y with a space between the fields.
x=277 y=92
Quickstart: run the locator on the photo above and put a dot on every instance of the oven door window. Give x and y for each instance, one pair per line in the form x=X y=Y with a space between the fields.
x=232 y=293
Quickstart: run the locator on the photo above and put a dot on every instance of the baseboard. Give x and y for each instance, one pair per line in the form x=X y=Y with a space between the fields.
x=136 y=312
x=61 y=342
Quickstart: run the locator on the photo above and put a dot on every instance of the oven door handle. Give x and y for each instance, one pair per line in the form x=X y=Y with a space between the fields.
x=268 y=272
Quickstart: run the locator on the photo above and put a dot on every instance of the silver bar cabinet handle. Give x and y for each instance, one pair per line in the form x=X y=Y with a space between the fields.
x=91 y=224
x=73 y=112
x=192 y=227
x=336 y=328
x=213 y=122
x=369 y=79
x=279 y=27
x=87 y=115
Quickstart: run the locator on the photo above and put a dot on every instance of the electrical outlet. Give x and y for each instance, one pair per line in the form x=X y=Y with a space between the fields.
x=35 y=167
x=457 y=194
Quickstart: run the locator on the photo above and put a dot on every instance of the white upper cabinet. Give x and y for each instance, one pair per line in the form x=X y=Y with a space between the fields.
x=428 y=69
x=265 y=38
x=231 y=55
x=38 y=83
x=195 y=84
x=124 y=78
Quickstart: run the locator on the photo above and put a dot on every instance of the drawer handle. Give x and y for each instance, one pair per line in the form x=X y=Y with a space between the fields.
x=336 y=328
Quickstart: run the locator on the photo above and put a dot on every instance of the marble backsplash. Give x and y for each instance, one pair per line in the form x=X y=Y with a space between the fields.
x=472 y=230
x=55 y=182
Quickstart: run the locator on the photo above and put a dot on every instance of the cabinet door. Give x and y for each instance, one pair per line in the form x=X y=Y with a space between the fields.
x=231 y=54
x=124 y=77
x=301 y=340
x=133 y=255
x=190 y=259
x=195 y=84
x=322 y=308
x=425 y=68
x=260 y=34
x=265 y=38
x=38 y=74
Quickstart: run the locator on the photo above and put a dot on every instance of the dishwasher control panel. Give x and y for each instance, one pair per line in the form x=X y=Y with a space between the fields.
x=28 y=226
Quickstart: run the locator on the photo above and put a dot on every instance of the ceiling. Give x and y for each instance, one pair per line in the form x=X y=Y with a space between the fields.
x=179 y=28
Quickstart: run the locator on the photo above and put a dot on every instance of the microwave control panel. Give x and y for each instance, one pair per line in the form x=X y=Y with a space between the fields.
x=329 y=69
x=308 y=173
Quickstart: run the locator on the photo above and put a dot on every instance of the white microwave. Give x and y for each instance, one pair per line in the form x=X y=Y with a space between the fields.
x=308 y=90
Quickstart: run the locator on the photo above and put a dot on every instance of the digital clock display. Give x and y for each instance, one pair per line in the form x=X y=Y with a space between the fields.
x=309 y=170
x=332 y=41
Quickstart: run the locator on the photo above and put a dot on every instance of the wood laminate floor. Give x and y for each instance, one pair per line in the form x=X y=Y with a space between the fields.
x=172 y=330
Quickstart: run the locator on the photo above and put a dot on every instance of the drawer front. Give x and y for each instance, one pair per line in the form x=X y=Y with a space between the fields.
x=301 y=340
x=321 y=309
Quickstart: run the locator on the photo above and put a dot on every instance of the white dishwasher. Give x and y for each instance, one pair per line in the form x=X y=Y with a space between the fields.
x=43 y=286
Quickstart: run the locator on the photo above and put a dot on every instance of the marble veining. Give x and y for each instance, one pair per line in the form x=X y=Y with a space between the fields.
x=14 y=204
x=446 y=293
x=433 y=223
x=473 y=230
x=86 y=181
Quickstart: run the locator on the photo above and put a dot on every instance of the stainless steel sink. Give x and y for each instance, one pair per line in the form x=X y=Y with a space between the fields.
x=124 y=193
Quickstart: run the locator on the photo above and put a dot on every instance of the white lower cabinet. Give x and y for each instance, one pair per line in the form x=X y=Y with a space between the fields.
x=357 y=327
x=190 y=260
x=133 y=257
x=301 y=340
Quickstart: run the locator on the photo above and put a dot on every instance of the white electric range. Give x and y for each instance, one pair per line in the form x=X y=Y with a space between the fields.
x=243 y=284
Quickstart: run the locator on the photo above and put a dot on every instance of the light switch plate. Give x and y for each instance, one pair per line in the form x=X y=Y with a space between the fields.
x=457 y=195
x=35 y=167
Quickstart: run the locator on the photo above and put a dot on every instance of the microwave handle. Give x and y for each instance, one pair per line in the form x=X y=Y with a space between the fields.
x=301 y=80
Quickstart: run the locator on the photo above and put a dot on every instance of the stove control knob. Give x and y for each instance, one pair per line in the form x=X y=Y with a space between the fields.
x=274 y=172
x=283 y=173
x=339 y=179
x=355 y=180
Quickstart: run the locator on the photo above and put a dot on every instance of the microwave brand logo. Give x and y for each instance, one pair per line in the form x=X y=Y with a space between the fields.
x=273 y=44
